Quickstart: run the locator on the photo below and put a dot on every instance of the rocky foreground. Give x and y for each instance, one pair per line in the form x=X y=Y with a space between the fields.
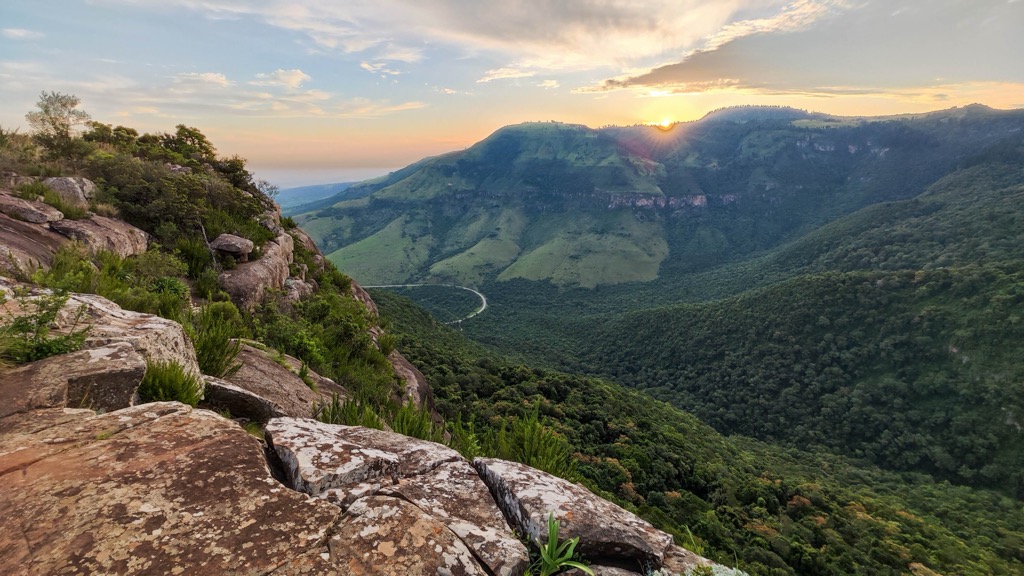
x=95 y=484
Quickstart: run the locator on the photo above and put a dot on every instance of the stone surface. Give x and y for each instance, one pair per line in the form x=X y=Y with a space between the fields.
x=416 y=386
x=678 y=560
x=388 y=536
x=105 y=378
x=101 y=233
x=600 y=570
x=152 y=489
x=363 y=296
x=295 y=289
x=28 y=211
x=241 y=403
x=156 y=338
x=237 y=247
x=606 y=531
x=25 y=247
x=73 y=190
x=262 y=375
x=345 y=464
x=317 y=459
x=454 y=494
x=249 y=281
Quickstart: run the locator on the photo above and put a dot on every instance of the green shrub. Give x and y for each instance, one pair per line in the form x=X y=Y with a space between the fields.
x=348 y=412
x=195 y=254
x=531 y=443
x=416 y=422
x=554 y=558
x=168 y=381
x=26 y=337
x=32 y=191
x=207 y=285
x=214 y=329
x=69 y=210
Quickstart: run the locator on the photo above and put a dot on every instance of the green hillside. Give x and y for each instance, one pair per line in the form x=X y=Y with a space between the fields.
x=764 y=509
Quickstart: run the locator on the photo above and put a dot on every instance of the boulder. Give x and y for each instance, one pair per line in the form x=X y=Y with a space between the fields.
x=235 y=246
x=679 y=560
x=77 y=191
x=12 y=180
x=27 y=211
x=608 y=534
x=102 y=233
x=241 y=403
x=25 y=247
x=388 y=536
x=295 y=290
x=105 y=378
x=156 y=338
x=153 y=489
x=274 y=376
x=304 y=240
x=316 y=460
x=249 y=281
x=346 y=464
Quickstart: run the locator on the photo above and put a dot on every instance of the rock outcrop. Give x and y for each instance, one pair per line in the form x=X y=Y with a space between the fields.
x=608 y=534
x=235 y=246
x=152 y=489
x=274 y=376
x=28 y=211
x=249 y=281
x=101 y=233
x=105 y=378
x=351 y=466
x=239 y=402
x=25 y=247
x=77 y=191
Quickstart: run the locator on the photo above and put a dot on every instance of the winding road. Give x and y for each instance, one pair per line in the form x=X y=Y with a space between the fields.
x=483 y=299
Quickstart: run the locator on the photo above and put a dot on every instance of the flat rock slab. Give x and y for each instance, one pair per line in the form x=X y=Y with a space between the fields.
x=234 y=245
x=156 y=338
x=27 y=211
x=101 y=233
x=388 y=536
x=239 y=402
x=153 y=489
x=264 y=376
x=317 y=459
x=527 y=496
x=454 y=494
x=25 y=246
x=345 y=464
x=104 y=378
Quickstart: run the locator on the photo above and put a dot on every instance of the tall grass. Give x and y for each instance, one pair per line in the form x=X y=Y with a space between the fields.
x=168 y=382
x=214 y=329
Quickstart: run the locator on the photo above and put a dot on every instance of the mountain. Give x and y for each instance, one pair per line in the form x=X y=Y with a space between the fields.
x=583 y=207
x=291 y=198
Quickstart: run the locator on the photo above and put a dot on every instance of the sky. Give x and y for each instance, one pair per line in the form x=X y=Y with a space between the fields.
x=314 y=91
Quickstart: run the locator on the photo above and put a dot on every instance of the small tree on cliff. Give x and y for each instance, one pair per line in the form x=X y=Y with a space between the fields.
x=56 y=123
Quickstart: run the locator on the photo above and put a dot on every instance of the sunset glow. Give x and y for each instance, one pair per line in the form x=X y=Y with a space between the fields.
x=313 y=84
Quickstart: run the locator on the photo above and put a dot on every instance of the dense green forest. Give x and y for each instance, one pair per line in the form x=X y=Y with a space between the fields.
x=765 y=509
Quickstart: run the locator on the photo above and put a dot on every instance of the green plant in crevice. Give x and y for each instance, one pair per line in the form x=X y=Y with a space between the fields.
x=214 y=329
x=169 y=382
x=555 y=557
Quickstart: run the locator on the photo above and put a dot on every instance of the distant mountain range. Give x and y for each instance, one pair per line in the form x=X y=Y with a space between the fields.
x=588 y=207
x=290 y=198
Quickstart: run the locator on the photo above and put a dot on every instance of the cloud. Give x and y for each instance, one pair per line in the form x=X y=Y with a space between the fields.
x=548 y=84
x=20 y=34
x=533 y=34
x=378 y=68
x=197 y=81
x=504 y=74
x=873 y=48
x=290 y=79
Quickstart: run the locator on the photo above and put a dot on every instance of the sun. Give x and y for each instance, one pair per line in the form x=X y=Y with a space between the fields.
x=665 y=124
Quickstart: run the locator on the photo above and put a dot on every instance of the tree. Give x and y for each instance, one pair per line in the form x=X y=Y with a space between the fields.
x=56 y=122
x=190 y=143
